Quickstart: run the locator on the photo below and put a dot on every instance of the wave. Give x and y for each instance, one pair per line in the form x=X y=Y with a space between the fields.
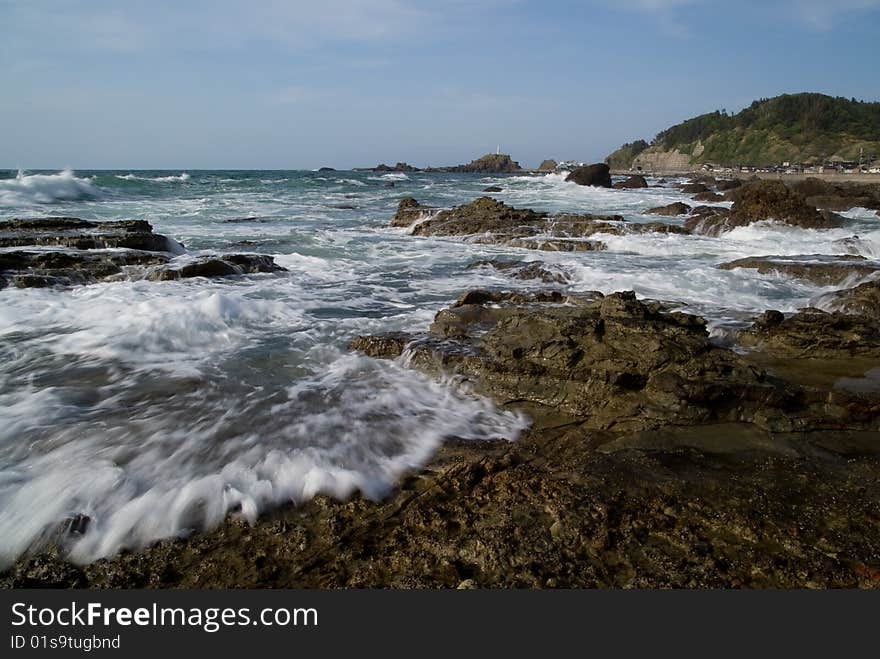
x=27 y=190
x=179 y=178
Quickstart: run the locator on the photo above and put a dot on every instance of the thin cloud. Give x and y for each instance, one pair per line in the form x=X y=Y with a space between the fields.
x=822 y=15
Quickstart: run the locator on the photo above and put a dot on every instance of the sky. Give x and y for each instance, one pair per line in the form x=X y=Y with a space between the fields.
x=285 y=84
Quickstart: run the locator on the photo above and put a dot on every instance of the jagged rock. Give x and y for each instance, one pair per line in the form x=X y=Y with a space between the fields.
x=762 y=200
x=490 y=221
x=381 y=346
x=216 y=266
x=635 y=181
x=410 y=211
x=492 y=163
x=723 y=185
x=817 y=268
x=519 y=270
x=598 y=175
x=708 y=196
x=548 y=165
x=616 y=363
x=671 y=210
x=814 y=334
x=27 y=269
x=863 y=300
x=83 y=234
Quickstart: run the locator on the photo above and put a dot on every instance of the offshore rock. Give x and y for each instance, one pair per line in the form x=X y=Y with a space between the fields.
x=598 y=175
x=758 y=201
x=217 y=266
x=817 y=268
x=670 y=210
x=636 y=181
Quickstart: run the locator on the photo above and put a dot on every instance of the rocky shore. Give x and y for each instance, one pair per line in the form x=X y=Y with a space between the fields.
x=658 y=456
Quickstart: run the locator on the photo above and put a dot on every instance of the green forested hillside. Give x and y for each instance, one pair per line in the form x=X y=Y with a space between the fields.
x=794 y=127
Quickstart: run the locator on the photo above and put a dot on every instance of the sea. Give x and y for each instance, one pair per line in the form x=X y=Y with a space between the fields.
x=155 y=409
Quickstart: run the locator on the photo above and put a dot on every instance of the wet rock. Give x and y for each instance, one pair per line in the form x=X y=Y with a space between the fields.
x=493 y=188
x=390 y=184
x=326 y=169
x=381 y=346
x=758 y=201
x=490 y=221
x=598 y=175
x=817 y=268
x=409 y=211
x=74 y=233
x=670 y=210
x=694 y=188
x=723 y=185
x=548 y=165
x=862 y=300
x=616 y=363
x=216 y=266
x=40 y=269
x=708 y=196
x=814 y=334
x=632 y=182
x=518 y=270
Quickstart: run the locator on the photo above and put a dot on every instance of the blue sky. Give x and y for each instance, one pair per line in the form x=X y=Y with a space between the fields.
x=290 y=84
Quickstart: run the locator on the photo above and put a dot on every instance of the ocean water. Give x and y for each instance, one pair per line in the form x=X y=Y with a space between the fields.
x=157 y=408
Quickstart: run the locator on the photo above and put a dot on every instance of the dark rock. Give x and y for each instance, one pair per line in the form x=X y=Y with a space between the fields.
x=216 y=266
x=694 y=188
x=723 y=185
x=492 y=163
x=519 y=270
x=616 y=363
x=389 y=184
x=490 y=221
x=381 y=346
x=762 y=200
x=677 y=208
x=39 y=269
x=862 y=300
x=708 y=196
x=817 y=268
x=81 y=234
x=598 y=175
x=493 y=188
x=409 y=211
x=814 y=334
x=636 y=181
x=326 y=169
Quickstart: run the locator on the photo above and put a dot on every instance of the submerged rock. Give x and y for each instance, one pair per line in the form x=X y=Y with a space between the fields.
x=632 y=182
x=216 y=266
x=493 y=188
x=598 y=175
x=670 y=210
x=817 y=268
x=519 y=270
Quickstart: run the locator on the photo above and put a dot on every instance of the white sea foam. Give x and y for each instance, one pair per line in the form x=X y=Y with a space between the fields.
x=156 y=469
x=172 y=178
x=30 y=189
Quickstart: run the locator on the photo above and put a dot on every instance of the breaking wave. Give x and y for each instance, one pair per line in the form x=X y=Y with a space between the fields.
x=30 y=189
